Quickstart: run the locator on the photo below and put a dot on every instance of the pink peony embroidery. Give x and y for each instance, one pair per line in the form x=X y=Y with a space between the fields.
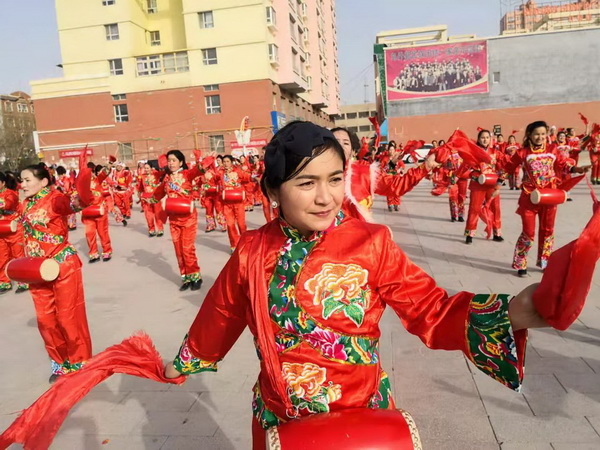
x=328 y=343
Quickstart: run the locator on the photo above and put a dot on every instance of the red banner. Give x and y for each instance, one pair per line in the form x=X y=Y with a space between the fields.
x=74 y=153
x=256 y=143
x=437 y=70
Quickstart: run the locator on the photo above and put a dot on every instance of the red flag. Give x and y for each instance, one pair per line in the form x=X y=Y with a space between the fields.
x=162 y=161
x=364 y=149
x=479 y=129
x=469 y=151
x=513 y=132
x=411 y=148
x=570 y=183
x=39 y=423
x=112 y=159
x=584 y=119
x=375 y=123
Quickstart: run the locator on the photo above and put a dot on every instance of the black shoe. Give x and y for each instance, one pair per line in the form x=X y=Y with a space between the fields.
x=72 y=228
x=498 y=238
x=53 y=378
x=127 y=217
x=21 y=289
x=160 y=234
x=124 y=223
x=6 y=289
x=569 y=199
x=185 y=286
x=196 y=285
x=522 y=273
x=106 y=258
x=93 y=260
x=389 y=208
x=460 y=219
x=469 y=240
x=452 y=219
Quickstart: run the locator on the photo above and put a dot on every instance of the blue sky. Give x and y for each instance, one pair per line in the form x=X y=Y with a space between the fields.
x=29 y=46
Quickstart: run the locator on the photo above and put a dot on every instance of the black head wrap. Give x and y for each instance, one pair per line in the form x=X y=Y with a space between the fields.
x=298 y=138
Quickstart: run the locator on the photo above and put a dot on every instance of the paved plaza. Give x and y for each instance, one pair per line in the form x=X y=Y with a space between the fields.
x=455 y=406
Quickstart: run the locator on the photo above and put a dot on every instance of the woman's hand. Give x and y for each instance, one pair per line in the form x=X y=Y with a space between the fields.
x=522 y=312
x=431 y=163
x=171 y=371
x=582 y=169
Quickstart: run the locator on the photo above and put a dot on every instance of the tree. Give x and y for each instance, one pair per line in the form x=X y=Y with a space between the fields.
x=16 y=149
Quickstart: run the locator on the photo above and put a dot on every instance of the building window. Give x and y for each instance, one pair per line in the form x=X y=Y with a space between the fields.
x=176 y=62
x=112 y=31
x=353 y=129
x=295 y=64
x=496 y=77
x=148 y=65
x=21 y=107
x=125 y=151
x=116 y=66
x=213 y=104
x=108 y=2
x=273 y=53
x=293 y=30
x=271 y=16
x=152 y=8
x=8 y=106
x=209 y=56
x=363 y=114
x=373 y=113
x=351 y=115
x=364 y=128
x=121 y=114
x=206 y=19
x=155 y=38
x=211 y=87
x=217 y=143
x=119 y=97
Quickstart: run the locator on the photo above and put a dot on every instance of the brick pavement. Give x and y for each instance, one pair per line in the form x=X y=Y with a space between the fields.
x=454 y=406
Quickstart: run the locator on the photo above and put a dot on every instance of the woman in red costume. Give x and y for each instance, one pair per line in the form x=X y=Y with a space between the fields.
x=212 y=202
x=593 y=144
x=148 y=181
x=177 y=183
x=97 y=227
x=484 y=199
x=312 y=287
x=457 y=186
x=60 y=304
x=11 y=246
x=544 y=166
x=121 y=183
x=65 y=184
x=509 y=151
x=249 y=185
x=233 y=179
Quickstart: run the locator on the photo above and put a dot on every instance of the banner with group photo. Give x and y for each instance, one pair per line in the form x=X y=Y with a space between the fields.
x=437 y=70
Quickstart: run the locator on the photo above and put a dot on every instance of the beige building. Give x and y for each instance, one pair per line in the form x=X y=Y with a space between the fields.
x=17 y=125
x=145 y=76
x=356 y=118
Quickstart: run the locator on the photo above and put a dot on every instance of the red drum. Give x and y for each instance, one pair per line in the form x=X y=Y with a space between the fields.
x=548 y=197
x=32 y=270
x=211 y=191
x=178 y=206
x=93 y=212
x=7 y=227
x=350 y=429
x=488 y=179
x=234 y=195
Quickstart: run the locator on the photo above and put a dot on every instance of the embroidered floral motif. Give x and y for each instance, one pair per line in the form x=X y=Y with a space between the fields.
x=34 y=249
x=187 y=363
x=522 y=248
x=339 y=288
x=382 y=399
x=265 y=416
x=491 y=343
x=546 y=251
x=64 y=254
x=308 y=387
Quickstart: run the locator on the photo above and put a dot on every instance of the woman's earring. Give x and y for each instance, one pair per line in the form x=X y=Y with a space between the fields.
x=274 y=204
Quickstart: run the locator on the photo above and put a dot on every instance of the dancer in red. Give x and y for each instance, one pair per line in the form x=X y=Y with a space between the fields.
x=249 y=186
x=511 y=148
x=212 y=201
x=592 y=142
x=177 y=183
x=457 y=186
x=122 y=189
x=544 y=167
x=66 y=184
x=148 y=181
x=485 y=198
x=97 y=227
x=11 y=245
x=231 y=186
x=60 y=304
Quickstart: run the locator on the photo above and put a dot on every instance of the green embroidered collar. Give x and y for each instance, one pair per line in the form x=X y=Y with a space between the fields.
x=296 y=236
x=41 y=194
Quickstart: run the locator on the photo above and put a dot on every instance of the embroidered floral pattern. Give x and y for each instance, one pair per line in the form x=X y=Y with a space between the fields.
x=522 y=248
x=491 y=343
x=340 y=288
x=187 y=363
x=64 y=254
x=546 y=251
x=34 y=249
x=382 y=399
x=308 y=387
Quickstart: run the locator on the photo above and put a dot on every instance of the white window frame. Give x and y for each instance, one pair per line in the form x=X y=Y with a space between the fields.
x=211 y=107
x=126 y=151
x=121 y=113
x=148 y=65
x=273 y=54
x=112 y=31
x=216 y=143
x=154 y=38
x=271 y=17
x=22 y=108
x=112 y=66
x=151 y=6
x=117 y=97
x=208 y=60
x=180 y=62
x=211 y=87
x=108 y=2
x=203 y=19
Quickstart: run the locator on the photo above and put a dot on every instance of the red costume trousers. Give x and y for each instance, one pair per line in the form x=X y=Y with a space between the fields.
x=546 y=216
x=155 y=216
x=122 y=201
x=214 y=212
x=60 y=311
x=513 y=179
x=595 y=160
x=235 y=216
x=458 y=194
x=11 y=247
x=97 y=226
x=480 y=196
x=183 y=233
